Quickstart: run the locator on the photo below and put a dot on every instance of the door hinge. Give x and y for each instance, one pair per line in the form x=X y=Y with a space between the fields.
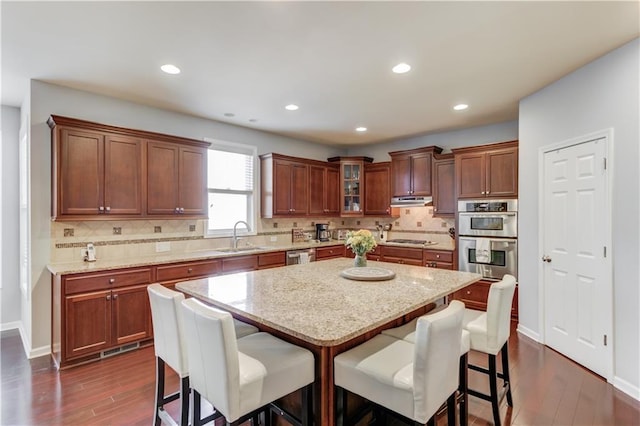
x=605 y=163
x=605 y=340
x=605 y=251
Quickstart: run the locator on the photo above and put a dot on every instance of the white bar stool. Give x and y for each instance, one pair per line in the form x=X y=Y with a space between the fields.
x=489 y=332
x=242 y=377
x=170 y=349
x=412 y=380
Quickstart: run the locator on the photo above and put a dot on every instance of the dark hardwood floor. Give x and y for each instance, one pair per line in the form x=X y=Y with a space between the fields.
x=548 y=389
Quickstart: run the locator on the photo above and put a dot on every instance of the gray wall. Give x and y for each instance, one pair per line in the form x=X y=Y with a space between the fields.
x=603 y=94
x=10 y=293
x=480 y=135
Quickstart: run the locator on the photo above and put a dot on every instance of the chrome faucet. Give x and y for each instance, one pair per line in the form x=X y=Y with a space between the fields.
x=234 y=242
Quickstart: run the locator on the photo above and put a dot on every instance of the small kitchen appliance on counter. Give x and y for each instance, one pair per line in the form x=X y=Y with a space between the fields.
x=322 y=232
x=340 y=234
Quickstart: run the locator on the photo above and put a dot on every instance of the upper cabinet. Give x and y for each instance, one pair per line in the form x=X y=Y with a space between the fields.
x=444 y=201
x=177 y=178
x=107 y=172
x=351 y=184
x=488 y=171
x=285 y=186
x=324 y=189
x=411 y=171
x=377 y=189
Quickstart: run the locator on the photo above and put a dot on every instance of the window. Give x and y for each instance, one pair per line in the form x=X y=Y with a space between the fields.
x=231 y=184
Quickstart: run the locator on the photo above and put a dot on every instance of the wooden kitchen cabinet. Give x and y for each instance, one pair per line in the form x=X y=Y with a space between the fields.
x=272 y=260
x=375 y=254
x=442 y=259
x=476 y=295
x=324 y=190
x=487 y=171
x=285 y=186
x=95 y=312
x=94 y=172
x=377 y=189
x=177 y=177
x=352 y=184
x=330 y=252
x=411 y=171
x=403 y=255
x=102 y=172
x=443 y=181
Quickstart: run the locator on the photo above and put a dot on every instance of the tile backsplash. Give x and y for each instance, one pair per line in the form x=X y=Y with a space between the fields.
x=135 y=238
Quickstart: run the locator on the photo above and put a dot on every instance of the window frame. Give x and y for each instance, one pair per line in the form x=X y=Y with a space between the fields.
x=252 y=213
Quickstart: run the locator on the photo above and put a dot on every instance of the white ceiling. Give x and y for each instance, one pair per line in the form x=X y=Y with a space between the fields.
x=333 y=59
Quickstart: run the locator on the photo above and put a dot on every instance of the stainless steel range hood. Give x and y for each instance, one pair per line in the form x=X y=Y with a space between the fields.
x=410 y=201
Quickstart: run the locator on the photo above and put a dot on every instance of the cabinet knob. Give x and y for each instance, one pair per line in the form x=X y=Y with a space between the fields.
x=438 y=256
x=181 y=210
x=115 y=296
x=468 y=292
x=177 y=210
x=108 y=297
x=112 y=280
x=101 y=209
x=108 y=209
x=488 y=192
x=388 y=209
x=190 y=270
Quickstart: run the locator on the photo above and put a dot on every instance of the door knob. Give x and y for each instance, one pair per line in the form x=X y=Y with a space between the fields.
x=546 y=259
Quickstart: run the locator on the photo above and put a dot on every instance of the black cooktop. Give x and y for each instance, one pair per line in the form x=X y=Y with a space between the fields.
x=405 y=241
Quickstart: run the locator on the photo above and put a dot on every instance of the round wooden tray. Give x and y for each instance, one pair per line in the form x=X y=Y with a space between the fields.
x=366 y=273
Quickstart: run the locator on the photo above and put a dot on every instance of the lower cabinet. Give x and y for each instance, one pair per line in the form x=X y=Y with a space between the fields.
x=442 y=259
x=403 y=255
x=475 y=297
x=95 y=312
x=331 y=252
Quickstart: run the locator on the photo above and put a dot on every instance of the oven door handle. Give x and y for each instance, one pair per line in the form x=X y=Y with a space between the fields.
x=489 y=215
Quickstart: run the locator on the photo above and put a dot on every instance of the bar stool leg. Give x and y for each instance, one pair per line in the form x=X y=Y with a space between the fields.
x=451 y=410
x=159 y=390
x=505 y=373
x=493 y=385
x=463 y=388
x=184 y=397
x=341 y=406
x=307 y=405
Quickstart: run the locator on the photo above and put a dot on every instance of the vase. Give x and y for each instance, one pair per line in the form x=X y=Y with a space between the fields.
x=360 y=260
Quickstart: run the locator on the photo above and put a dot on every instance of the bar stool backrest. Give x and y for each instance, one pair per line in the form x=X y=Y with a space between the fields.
x=499 y=311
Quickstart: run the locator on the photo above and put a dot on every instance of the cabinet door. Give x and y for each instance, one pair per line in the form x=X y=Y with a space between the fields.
x=131 y=314
x=81 y=164
x=377 y=186
x=317 y=195
x=192 y=191
x=162 y=178
x=299 y=189
x=421 y=174
x=470 y=175
x=443 y=188
x=502 y=173
x=282 y=188
x=401 y=175
x=88 y=323
x=122 y=175
x=332 y=191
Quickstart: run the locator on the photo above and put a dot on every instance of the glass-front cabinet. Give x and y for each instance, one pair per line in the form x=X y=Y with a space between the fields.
x=351 y=184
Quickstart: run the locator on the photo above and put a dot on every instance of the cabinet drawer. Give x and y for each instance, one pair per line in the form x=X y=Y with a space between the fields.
x=401 y=260
x=438 y=256
x=240 y=263
x=402 y=252
x=329 y=252
x=474 y=296
x=271 y=260
x=106 y=280
x=187 y=270
x=439 y=265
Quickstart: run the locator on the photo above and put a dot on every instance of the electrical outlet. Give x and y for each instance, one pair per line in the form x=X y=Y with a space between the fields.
x=83 y=253
x=163 y=246
x=273 y=239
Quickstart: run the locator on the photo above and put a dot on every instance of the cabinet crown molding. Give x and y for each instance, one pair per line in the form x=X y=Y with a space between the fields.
x=488 y=147
x=433 y=149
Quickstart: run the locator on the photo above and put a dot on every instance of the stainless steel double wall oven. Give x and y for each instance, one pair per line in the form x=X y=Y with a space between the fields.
x=488 y=237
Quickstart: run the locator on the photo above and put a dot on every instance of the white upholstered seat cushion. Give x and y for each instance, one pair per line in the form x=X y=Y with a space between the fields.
x=412 y=379
x=239 y=376
x=243 y=329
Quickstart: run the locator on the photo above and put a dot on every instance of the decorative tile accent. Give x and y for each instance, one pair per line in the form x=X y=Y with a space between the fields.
x=117 y=230
x=407 y=211
x=192 y=228
x=275 y=224
x=295 y=224
x=419 y=224
x=68 y=232
x=157 y=229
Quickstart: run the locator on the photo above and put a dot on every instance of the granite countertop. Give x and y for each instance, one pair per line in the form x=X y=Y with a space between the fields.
x=314 y=303
x=165 y=258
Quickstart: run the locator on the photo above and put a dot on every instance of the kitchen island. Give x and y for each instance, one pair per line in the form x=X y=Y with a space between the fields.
x=311 y=305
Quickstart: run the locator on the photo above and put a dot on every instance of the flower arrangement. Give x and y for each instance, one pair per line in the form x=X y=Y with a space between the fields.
x=360 y=242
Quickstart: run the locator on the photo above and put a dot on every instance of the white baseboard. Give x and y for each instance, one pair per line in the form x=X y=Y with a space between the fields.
x=626 y=387
x=14 y=325
x=41 y=351
x=528 y=332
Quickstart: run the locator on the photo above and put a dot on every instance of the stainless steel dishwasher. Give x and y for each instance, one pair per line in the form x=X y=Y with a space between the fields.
x=301 y=256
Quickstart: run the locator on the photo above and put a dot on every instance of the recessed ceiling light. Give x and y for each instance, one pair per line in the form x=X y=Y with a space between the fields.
x=229 y=114
x=361 y=129
x=253 y=120
x=292 y=107
x=170 y=69
x=460 y=107
x=401 y=68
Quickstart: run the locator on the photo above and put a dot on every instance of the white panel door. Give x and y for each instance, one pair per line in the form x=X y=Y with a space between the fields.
x=577 y=286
